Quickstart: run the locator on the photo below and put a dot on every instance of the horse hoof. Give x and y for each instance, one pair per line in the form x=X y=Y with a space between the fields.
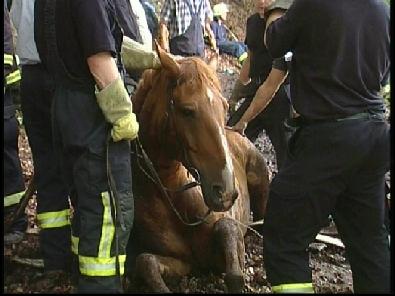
x=234 y=282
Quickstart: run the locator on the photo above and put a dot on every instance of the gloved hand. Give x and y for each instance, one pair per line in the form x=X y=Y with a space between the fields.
x=117 y=109
x=277 y=4
x=136 y=56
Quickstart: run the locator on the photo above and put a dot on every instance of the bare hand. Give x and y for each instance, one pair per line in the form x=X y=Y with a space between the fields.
x=238 y=127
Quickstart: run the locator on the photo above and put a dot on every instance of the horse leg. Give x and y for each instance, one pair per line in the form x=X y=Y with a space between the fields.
x=151 y=269
x=229 y=241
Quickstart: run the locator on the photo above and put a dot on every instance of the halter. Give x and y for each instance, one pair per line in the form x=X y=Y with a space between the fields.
x=153 y=176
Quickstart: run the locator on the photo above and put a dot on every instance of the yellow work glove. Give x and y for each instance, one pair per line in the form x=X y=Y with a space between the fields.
x=136 y=56
x=115 y=103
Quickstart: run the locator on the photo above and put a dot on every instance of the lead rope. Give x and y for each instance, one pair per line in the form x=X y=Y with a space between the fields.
x=157 y=181
x=115 y=213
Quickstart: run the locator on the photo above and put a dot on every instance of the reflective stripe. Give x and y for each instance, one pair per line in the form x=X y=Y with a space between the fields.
x=108 y=228
x=54 y=219
x=101 y=266
x=13 y=77
x=8 y=59
x=74 y=244
x=13 y=199
x=294 y=288
x=243 y=57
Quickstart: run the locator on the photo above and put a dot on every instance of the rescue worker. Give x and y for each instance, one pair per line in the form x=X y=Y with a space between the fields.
x=79 y=43
x=14 y=183
x=277 y=76
x=253 y=74
x=234 y=48
x=340 y=151
x=182 y=25
x=52 y=195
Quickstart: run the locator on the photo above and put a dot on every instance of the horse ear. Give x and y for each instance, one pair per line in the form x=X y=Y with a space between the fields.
x=168 y=62
x=213 y=61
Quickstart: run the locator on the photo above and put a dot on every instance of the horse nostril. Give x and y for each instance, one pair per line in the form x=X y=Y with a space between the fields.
x=216 y=190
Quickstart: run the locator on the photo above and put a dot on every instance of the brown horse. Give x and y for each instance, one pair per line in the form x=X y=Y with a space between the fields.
x=192 y=204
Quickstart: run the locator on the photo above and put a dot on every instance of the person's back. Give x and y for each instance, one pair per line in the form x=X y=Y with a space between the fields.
x=182 y=25
x=342 y=45
x=340 y=150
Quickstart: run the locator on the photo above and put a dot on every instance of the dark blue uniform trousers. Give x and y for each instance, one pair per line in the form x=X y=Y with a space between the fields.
x=53 y=208
x=14 y=183
x=80 y=135
x=338 y=169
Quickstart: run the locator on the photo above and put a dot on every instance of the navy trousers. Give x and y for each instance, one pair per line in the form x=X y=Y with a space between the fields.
x=14 y=183
x=338 y=169
x=53 y=208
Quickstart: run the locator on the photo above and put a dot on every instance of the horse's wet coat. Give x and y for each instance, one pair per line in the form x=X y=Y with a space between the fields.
x=233 y=175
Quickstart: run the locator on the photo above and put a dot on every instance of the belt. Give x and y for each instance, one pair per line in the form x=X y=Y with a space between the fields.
x=303 y=121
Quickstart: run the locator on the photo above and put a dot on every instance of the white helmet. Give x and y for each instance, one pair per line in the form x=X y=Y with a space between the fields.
x=220 y=8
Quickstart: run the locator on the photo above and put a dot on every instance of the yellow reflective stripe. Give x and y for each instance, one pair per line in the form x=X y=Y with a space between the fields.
x=294 y=288
x=13 y=77
x=13 y=199
x=243 y=57
x=74 y=244
x=8 y=59
x=101 y=266
x=54 y=219
x=108 y=228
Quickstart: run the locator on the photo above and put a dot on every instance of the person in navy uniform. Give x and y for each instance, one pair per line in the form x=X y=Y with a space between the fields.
x=79 y=44
x=340 y=151
x=254 y=73
x=14 y=182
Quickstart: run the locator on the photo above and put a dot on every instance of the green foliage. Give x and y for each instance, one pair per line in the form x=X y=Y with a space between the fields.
x=388 y=2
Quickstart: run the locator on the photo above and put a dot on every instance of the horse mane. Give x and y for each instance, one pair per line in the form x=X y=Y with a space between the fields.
x=194 y=71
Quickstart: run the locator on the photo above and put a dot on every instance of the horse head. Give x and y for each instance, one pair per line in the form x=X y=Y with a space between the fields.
x=182 y=119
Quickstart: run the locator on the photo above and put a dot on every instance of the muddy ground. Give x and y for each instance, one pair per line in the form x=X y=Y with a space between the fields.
x=331 y=271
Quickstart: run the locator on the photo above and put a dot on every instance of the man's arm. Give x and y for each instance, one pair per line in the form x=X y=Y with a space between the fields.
x=103 y=68
x=261 y=99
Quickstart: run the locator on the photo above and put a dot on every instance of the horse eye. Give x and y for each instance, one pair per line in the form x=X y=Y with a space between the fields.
x=188 y=112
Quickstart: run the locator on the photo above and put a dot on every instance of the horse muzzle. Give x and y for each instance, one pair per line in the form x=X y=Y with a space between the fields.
x=222 y=198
